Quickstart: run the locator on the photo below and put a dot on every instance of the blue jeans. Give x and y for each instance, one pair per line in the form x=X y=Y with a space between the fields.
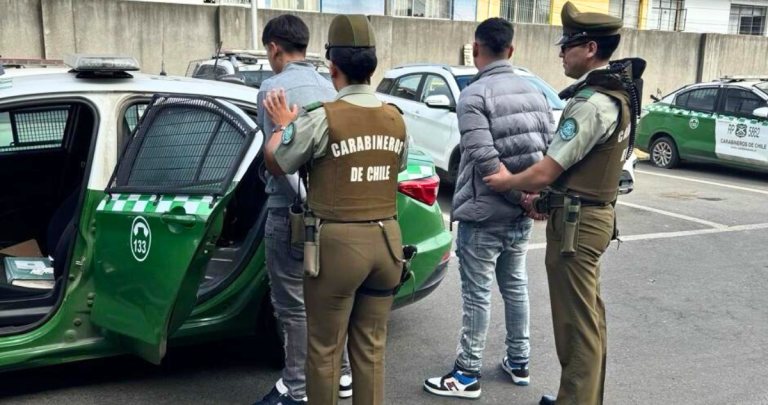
x=485 y=249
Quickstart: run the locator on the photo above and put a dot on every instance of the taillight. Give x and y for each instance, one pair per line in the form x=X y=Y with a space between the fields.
x=424 y=190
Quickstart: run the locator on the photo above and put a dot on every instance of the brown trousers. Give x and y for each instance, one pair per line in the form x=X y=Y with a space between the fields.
x=351 y=255
x=578 y=312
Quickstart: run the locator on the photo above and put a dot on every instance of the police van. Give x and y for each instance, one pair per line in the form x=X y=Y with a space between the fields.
x=133 y=215
x=723 y=122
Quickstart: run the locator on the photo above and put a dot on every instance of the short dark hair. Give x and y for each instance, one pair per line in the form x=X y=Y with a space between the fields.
x=287 y=31
x=495 y=34
x=358 y=64
x=606 y=46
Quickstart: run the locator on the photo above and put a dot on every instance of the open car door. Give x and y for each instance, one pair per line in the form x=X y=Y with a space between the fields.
x=158 y=225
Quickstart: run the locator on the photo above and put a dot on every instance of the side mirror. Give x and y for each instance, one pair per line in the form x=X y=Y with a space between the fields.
x=440 y=101
x=654 y=98
x=236 y=79
x=761 y=112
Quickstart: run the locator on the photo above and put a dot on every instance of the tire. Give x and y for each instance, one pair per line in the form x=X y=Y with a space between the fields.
x=664 y=153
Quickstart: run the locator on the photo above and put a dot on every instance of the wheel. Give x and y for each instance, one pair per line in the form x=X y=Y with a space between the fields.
x=664 y=153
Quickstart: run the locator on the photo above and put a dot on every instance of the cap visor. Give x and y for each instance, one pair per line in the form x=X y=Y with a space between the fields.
x=562 y=41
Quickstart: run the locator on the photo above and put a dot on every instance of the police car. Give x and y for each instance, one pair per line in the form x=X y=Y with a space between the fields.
x=723 y=122
x=133 y=215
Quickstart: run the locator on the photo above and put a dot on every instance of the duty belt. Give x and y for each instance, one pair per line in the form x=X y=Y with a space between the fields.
x=548 y=201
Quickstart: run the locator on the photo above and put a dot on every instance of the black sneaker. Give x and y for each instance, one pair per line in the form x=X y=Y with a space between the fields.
x=518 y=371
x=276 y=398
x=547 y=400
x=345 y=387
x=457 y=384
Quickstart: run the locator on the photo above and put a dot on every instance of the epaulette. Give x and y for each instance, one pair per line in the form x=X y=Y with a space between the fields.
x=313 y=106
x=396 y=108
x=585 y=93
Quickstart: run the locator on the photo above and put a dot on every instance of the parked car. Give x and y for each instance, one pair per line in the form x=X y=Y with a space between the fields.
x=723 y=122
x=247 y=67
x=427 y=94
x=142 y=195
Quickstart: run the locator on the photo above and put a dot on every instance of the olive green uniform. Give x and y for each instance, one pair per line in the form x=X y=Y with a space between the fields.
x=355 y=255
x=591 y=145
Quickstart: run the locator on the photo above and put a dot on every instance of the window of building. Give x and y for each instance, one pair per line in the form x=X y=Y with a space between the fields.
x=747 y=20
x=422 y=8
x=627 y=10
x=526 y=11
x=302 y=5
x=668 y=15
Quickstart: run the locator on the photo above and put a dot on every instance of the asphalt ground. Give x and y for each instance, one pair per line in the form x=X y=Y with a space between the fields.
x=685 y=295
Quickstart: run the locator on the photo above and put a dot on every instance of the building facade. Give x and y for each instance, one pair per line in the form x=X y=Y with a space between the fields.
x=739 y=17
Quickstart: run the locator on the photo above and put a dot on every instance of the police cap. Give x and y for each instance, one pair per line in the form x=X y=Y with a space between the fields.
x=350 y=31
x=578 y=26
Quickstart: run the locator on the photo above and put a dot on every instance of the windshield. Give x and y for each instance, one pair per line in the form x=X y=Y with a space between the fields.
x=552 y=97
x=763 y=87
x=254 y=78
x=463 y=81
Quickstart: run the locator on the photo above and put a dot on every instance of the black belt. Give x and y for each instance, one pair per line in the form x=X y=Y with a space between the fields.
x=558 y=201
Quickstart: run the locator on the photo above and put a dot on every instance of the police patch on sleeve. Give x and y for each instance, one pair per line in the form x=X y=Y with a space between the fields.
x=288 y=133
x=568 y=129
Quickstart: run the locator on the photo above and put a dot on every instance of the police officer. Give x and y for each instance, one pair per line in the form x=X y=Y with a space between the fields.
x=582 y=169
x=353 y=149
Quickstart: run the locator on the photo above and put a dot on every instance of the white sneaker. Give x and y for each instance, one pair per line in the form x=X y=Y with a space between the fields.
x=345 y=386
x=457 y=384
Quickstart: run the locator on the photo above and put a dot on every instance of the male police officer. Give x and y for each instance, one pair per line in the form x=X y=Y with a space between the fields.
x=582 y=167
x=354 y=149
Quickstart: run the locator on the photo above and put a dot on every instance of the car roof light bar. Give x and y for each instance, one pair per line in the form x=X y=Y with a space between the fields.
x=101 y=63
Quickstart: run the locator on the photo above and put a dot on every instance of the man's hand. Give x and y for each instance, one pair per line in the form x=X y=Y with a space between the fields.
x=499 y=181
x=277 y=108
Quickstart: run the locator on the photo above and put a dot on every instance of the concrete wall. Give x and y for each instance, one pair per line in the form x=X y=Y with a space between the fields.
x=672 y=58
x=733 y=55
x=21 y=29
x=177 y=34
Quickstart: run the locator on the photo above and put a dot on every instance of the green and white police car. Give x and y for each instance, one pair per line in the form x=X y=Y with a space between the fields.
x=138 y=203
x=724 y=122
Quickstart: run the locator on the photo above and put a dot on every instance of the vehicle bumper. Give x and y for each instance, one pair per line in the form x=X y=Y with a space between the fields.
x=427 y=287
x=626 y=182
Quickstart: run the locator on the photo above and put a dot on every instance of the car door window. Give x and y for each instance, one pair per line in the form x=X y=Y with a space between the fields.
x=741 y=102
x=34 y=128
x=385 y=86
x=407 y=87
x=434 y=86
x=698 y=99
x=187 y=145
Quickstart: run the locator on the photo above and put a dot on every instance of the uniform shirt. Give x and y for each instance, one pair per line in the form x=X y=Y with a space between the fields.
x=310 y=140
x=588 y=120
x=303 y=85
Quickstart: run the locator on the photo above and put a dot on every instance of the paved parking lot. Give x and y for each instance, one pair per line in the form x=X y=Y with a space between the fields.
x=685 y=295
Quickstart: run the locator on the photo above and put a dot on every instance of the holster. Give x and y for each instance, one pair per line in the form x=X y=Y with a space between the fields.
x=571 y=212
x=312 y=228
x=296 y=216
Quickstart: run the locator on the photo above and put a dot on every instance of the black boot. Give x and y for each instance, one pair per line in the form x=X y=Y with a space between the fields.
x=547 y=400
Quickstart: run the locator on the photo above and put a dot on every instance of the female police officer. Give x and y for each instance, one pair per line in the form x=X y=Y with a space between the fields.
x=353 y=149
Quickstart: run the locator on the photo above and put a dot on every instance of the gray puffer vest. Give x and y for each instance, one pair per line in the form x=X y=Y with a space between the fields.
x=502 y=117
